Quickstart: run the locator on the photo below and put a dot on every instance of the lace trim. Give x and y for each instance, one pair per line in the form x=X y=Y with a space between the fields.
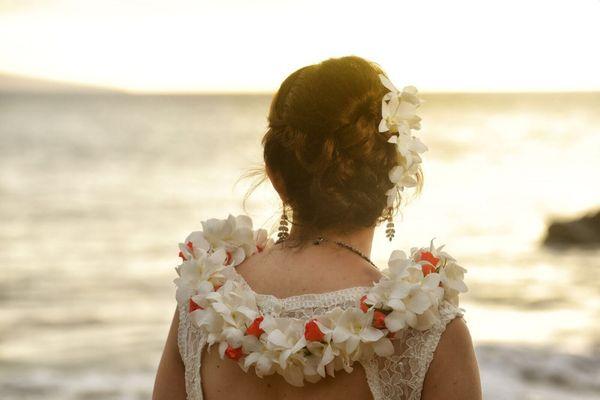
x=191 y=343
x=303 y=305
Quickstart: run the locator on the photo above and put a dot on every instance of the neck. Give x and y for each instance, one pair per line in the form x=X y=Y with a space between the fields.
x=360 y=239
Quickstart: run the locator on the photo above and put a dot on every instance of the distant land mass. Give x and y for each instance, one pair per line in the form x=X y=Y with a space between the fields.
x=12 y=83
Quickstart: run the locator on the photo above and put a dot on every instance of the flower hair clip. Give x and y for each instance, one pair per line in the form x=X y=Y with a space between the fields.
x=398 y=116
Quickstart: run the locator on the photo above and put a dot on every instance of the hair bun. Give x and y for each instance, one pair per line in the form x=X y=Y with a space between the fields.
x=323 y=141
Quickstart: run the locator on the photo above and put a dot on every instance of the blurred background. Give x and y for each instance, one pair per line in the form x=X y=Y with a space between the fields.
x=123 y=124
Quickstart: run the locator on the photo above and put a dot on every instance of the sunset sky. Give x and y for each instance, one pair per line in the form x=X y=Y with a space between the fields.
x=249 y=46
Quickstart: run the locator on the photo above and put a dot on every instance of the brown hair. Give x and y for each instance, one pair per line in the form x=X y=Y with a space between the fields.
x=323 y=143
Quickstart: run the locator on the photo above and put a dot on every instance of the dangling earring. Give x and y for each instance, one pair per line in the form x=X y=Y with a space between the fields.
x=284 y=231
x=389 y=228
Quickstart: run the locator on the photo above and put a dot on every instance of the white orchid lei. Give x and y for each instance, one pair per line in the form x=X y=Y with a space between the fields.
x=398 y=116
x=408 y=295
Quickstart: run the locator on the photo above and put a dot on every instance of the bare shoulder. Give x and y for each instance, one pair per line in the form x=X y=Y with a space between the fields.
x=453 y=372
x=170 y=377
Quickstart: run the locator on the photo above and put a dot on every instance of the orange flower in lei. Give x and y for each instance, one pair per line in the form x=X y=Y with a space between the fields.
x=379 y=319
x=433 y=260
x=364 y=306
x=189 y=246
x=312 y=331
x=378 y=315
x=254 y=329
x=235 y=353
x=229 y=258
x=193 y=306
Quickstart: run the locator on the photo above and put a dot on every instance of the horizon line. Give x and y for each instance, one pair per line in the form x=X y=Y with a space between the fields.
x=79 y=87
x=111 y=91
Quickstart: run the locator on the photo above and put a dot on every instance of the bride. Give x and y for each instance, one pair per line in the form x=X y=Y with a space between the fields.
x=309 y=315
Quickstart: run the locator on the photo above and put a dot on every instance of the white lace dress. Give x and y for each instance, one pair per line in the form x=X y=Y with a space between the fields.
x=399 y=376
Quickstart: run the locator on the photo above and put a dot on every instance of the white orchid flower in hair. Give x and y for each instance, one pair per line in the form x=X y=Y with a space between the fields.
x=398 y=109
x=398 y=116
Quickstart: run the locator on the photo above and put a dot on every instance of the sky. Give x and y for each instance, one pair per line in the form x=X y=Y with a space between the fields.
x=251 y=46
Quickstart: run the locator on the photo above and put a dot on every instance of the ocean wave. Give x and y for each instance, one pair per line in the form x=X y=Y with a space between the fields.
x=526 y=373
x=507 y=373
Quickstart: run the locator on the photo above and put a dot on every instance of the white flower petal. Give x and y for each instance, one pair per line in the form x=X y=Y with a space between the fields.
x=251 y=359
x=387 y=83
x=397 y=304
x=431 y=281
x=418 y=302
x=383 y=347
x=340 y=334
x=293 y=375
x=395 y=321
x=222 y=347
x=352 y=343
x=418 y=146
x=327 y=357
x=264 y=366
x=247 y=312
x=396 y=173
x=383 y=126
x=370 y=334
x=400 y=290
x=278 y=338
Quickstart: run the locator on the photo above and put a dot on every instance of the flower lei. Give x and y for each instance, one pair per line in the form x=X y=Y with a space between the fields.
x=398 y=116
x=408 y=295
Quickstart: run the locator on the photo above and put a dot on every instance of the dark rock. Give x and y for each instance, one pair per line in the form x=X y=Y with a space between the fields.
x=581 y=232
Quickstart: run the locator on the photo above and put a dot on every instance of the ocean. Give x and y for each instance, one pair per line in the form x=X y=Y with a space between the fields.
x=96 y=191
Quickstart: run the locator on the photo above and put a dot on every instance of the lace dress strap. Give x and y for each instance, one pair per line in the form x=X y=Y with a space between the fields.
x=401 y=375
x=191 y=343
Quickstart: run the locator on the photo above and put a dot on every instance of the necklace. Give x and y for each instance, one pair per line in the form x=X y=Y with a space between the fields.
x=347 y=246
